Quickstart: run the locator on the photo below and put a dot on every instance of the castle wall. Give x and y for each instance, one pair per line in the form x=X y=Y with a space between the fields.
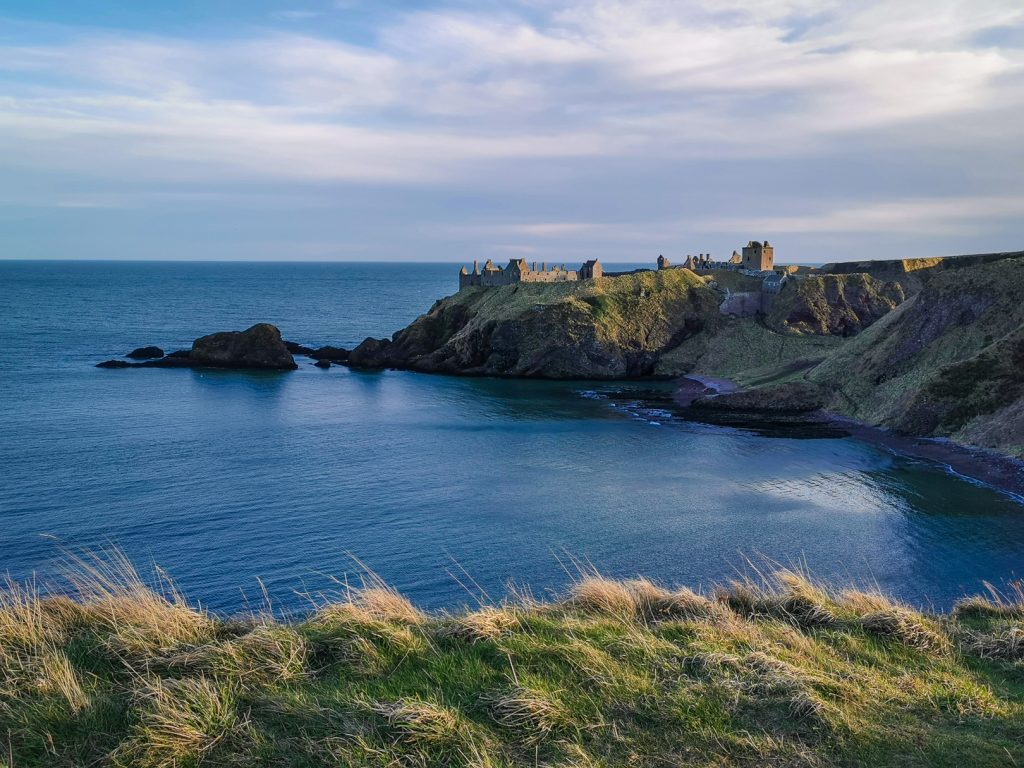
x=741 y=303
x=495 y=277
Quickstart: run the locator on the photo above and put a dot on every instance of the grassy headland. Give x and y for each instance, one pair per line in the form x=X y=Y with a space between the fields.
x=779 y=672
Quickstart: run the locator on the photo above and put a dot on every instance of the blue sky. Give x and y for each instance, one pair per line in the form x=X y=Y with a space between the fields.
x=557 y=131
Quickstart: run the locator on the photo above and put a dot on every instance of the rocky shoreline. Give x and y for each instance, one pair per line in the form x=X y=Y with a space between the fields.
x=721 y=396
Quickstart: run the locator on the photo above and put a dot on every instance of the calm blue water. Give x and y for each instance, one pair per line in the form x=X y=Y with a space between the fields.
x=224 y=478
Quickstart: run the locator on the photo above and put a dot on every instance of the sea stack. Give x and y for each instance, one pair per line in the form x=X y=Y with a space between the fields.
x=258 y=347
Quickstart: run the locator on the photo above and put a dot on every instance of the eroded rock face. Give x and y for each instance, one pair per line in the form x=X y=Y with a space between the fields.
x=834 y=305
x=258 y=347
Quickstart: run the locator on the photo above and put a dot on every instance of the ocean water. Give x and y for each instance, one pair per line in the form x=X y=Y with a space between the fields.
x=445 y=487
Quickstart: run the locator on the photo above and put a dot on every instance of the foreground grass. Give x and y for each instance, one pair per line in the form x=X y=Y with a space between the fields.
x=778 y=672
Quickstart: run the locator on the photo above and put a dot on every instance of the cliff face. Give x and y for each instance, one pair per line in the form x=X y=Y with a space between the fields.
x=948 y=362
x=608 y=328
x=833 y=305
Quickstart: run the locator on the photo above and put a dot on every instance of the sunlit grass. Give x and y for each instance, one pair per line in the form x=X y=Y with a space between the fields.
x=772 y=670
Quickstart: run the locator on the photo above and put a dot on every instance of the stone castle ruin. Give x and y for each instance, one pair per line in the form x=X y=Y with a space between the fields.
x=758 y=257
x=519 y=271
x=757 y=260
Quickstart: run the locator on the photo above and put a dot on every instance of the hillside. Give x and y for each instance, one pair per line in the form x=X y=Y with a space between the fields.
x=948 y=362
x=781 y=672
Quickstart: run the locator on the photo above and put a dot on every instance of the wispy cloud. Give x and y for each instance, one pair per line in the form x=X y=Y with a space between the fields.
x=942 y=215
x=500 y=96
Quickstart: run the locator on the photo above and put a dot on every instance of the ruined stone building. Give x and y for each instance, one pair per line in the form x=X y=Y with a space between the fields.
x=519 y=271
x=758 y=257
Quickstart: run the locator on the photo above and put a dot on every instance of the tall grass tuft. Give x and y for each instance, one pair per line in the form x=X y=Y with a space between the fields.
x=142 y=620
x=267 y=654
x=433 y=733
x=996 y=604
x=487 y=623
x=531 y=714
x=180 y=723
x=783 y=594
x=596 y=594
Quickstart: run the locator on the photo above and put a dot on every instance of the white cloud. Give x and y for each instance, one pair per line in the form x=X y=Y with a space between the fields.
x=478 y=97
x=940 y=215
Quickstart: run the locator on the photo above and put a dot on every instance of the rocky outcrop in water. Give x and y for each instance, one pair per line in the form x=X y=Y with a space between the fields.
x=257 y=348
x=329 y=353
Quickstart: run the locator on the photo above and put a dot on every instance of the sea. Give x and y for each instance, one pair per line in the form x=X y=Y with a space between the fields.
x=275 y=490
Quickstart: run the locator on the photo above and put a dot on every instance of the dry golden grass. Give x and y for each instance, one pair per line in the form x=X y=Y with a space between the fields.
x=1007 y=644
x=907 y=627
x=596 y=594
x=780 y=671
x=531 y=714
x=419 y=723
x=266 y=654
x=996 y=603
x=783 y=594
x=180 y=722
x=487 y=623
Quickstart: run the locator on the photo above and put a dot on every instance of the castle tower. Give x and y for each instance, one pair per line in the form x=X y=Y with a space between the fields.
x=663 y=263
x=591 y=269
x=759 y=257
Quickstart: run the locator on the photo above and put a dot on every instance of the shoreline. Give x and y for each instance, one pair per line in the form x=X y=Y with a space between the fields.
x=978 y=465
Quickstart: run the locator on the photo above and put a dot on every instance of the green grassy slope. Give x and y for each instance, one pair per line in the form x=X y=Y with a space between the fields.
x=946 y=362
x=609 y=674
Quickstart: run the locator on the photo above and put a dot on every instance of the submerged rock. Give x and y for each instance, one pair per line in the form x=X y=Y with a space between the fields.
x=258 y=347
x=114 y=364
x=334 y=354
x=297 y=349
x=145 y=353
x=322 y=363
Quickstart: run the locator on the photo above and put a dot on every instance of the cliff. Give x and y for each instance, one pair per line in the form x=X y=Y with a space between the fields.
x=834 y=305
x=614 y=327
x=949 y=362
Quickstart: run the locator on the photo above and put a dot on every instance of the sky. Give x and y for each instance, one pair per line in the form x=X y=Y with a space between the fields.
x=552 y=130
